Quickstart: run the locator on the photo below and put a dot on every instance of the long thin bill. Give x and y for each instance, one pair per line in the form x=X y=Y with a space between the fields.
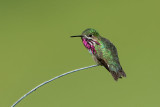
x=77 y=36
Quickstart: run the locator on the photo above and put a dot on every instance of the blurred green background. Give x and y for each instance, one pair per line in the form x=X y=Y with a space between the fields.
x=35 y=46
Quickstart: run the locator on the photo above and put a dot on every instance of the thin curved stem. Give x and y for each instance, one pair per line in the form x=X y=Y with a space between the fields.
x=50 y=81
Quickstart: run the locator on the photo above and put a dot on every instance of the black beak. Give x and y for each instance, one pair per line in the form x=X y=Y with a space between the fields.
x=77 y=36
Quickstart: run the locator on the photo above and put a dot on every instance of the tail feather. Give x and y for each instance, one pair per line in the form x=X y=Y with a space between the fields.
x=113 y=70
x=115 y=75
x=122 y=73
x=118 y=74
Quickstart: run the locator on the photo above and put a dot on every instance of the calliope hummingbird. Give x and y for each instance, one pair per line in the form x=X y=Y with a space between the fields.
x=103 y=52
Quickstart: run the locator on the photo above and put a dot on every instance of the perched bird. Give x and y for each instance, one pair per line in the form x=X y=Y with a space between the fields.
x=103 y=52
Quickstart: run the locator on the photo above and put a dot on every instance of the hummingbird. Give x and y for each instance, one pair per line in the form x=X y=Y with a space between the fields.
x=103 y=52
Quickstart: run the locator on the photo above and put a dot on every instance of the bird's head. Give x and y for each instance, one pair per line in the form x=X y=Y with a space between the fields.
x=89 y=34
x=90 y=39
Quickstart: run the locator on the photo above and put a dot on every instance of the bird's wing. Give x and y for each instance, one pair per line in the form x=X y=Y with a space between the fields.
x=108 y=57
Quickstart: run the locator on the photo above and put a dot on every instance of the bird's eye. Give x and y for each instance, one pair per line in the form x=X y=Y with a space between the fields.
x=90 y=35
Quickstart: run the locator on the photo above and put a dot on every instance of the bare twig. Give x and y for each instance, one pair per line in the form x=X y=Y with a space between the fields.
x=50 y=81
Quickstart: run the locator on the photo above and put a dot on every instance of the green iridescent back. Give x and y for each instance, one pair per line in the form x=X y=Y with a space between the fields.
x=108 y=52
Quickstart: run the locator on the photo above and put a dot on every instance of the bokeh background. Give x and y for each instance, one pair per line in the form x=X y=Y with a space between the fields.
x=35 y=46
